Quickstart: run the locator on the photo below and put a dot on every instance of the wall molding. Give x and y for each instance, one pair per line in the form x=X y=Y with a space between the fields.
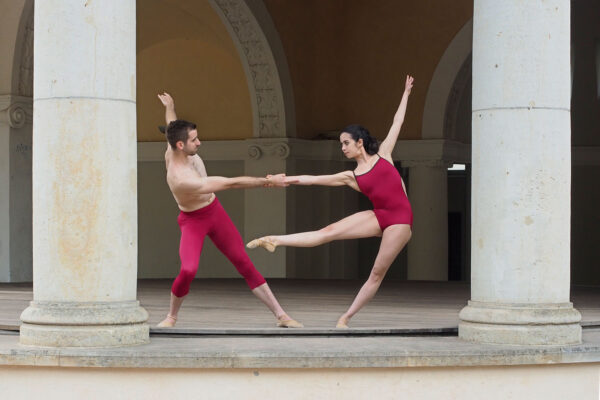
x=319 y=150
x=406 y=151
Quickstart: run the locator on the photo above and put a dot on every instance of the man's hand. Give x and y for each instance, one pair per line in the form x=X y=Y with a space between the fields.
x=167 y=100
x=169 y=104
x=276 y=181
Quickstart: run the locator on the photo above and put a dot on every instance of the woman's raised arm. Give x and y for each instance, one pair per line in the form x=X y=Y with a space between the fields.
x=387 y=146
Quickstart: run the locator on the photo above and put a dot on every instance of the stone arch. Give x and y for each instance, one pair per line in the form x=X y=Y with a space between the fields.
x=22 y=83
x=264 y=63
x=457 y=117
x=453 y=66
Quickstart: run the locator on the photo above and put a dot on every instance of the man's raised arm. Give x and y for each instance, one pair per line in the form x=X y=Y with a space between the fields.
x=169 y=104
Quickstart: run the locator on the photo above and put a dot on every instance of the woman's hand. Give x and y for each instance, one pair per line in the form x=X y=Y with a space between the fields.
x=409 y=84
x=279 y=180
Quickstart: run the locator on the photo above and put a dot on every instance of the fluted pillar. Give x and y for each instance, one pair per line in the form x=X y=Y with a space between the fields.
x=521 y=176
x=428 y=194
x=84 y=177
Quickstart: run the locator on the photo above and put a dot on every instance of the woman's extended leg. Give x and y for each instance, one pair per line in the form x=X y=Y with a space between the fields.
x=360 y=225
x=393 y=241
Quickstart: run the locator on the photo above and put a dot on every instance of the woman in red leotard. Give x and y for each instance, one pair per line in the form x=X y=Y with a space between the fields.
x=376 y=177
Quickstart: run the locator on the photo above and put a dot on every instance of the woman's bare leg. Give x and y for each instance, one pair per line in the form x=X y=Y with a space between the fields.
x=360 y=225
x=393 y=241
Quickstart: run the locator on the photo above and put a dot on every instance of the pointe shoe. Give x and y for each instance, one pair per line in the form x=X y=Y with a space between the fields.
x=262 y=242
x=289 y=323
x=168 y=322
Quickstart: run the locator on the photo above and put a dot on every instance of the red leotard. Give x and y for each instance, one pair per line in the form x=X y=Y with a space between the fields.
x=382 y=184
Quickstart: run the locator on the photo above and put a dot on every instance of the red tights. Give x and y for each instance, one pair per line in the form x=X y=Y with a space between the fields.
x=213 y=221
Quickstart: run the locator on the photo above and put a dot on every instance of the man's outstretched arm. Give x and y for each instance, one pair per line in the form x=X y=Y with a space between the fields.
x=212 y=184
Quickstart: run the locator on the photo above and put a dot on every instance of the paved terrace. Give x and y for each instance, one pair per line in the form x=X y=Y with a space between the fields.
x=223 y=326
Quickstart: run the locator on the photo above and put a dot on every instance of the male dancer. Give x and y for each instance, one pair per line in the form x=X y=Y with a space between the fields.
x=202 y=214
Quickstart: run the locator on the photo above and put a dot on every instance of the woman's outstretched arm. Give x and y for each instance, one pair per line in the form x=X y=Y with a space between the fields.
x=387 y=146
x=339 y=179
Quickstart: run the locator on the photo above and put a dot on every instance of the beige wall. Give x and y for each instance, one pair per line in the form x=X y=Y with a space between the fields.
x=184 y=49
x=348 y=59
x=556 y=382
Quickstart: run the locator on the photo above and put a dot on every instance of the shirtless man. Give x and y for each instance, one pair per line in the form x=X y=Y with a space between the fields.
x=202 y=214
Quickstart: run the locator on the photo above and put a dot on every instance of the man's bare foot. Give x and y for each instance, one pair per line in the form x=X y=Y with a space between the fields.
x=287 y=322
x=342 y=322
x=168 y=322
x=265 y=242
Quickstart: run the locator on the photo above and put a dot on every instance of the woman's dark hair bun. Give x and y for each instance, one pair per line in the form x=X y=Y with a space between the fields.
x=360 y=132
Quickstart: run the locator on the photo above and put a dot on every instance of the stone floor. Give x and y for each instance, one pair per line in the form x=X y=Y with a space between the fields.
x=409 y=324
x=227 y=304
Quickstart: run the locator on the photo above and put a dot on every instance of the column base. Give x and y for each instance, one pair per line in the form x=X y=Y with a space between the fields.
x=520 y=324
x=72 y=324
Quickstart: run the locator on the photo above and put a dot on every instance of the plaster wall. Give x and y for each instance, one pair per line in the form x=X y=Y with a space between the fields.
x=183 y=48
x=578 y=381
x=348 y=59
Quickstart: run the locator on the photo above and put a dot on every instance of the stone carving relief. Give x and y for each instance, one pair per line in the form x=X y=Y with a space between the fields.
x=279 y=150
x=260 y=66
x=15 y=113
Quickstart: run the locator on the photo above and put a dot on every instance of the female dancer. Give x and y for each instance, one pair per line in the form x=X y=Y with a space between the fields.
x=376 y=177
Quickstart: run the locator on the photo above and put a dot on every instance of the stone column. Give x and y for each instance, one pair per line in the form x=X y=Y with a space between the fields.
x=84 y=177
x=428 y=194
x=520 y=278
